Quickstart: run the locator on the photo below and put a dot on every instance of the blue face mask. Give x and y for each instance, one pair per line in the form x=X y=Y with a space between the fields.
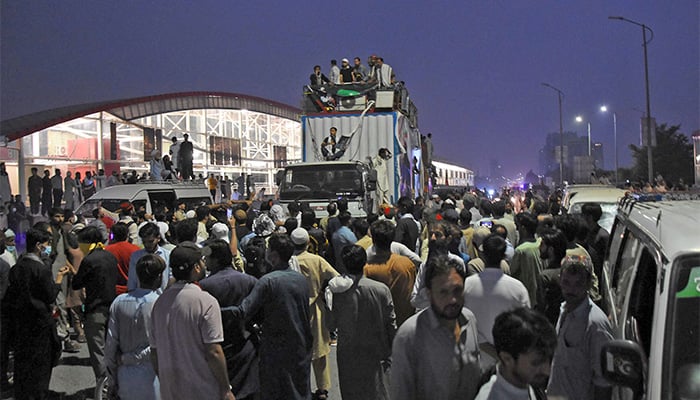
x=11 y=249
x=47 y=250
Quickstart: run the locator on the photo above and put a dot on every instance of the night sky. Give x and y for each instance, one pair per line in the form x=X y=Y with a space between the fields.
x=473 y=68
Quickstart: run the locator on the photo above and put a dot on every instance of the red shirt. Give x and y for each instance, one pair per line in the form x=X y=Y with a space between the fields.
x=108 y=222
x=122 y=251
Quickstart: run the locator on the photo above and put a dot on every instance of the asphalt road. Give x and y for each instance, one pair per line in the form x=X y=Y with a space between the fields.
x=73 y=378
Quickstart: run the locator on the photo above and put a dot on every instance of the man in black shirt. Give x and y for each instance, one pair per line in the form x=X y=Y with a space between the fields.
x=46 y=193
x=185 y=156
x=97 y=273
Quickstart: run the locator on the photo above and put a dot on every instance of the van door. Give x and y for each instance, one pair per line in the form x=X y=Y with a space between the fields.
x=160 y=199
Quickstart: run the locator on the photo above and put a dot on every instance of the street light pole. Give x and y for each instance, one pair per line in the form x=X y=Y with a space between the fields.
x=589 y=139
x=650 y=168
x=561 y=134
x=615 y=144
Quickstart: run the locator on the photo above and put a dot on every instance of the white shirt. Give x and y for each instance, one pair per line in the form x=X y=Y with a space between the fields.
x=498 y=388
x=490 y=293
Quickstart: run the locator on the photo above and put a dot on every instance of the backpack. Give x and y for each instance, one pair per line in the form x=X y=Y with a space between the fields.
x=254 y=255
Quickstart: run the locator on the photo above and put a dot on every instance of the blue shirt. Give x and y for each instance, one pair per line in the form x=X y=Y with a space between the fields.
x=133 y=282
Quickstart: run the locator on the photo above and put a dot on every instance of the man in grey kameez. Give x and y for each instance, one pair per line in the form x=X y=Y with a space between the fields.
x=363 y=312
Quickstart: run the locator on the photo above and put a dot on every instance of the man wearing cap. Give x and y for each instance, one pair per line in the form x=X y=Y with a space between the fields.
x=157 y=166
x=346 y=71
x=10 y=254
x=317 y=272
x=150 y=236
x=282 y=297
x=186 y=333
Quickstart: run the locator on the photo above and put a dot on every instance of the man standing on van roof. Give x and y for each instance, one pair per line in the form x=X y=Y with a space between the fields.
x=185 y=156
x=582 y=331
x=175 y=153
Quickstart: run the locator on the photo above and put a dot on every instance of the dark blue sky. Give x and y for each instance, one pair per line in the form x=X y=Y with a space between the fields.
x=473 y=68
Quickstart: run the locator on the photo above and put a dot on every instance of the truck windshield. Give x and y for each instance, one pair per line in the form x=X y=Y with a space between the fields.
x=321 y=182
x=682 y=362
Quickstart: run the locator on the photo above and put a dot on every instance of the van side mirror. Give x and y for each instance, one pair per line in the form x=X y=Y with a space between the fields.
x=624 y=364
x=279 y=176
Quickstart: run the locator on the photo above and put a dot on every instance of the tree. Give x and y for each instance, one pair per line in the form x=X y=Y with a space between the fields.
x=672 y=156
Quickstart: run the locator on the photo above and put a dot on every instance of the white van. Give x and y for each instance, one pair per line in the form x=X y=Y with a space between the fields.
x=152 y=196
x=604 y=195
x=651 y=284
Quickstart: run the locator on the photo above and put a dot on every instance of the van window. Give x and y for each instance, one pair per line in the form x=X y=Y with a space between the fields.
x=616 y=243
x=193 y=202
x=640 y=310
x=86 y=208
x=624 y=270
x=161 y=199
x=682 y=361
x=138 y=204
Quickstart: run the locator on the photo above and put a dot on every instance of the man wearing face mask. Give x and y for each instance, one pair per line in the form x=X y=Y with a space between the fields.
x=31 y=292
x=10 y=254
x=97 y=273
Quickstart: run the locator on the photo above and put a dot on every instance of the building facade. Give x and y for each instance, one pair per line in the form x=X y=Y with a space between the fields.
x=231 y=134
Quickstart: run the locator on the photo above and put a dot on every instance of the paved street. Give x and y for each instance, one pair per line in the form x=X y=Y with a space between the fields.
x=73 y=379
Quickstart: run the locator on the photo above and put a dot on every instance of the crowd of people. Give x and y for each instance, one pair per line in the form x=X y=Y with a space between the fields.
x=376 y=72
x=455 y=297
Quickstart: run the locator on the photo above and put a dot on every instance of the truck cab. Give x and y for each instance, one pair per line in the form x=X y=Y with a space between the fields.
x=317 y=184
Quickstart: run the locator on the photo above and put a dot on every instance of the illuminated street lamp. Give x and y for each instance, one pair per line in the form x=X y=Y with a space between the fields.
x=579 y=119
x=604 y=109
x=650 y=169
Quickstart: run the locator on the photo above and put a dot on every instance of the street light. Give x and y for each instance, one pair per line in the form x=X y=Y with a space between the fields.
x=561 y=134
x=604 y=109
x=650 y=169
x=579 y=119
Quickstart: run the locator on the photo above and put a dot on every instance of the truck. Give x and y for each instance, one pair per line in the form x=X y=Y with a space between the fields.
x=352 y=169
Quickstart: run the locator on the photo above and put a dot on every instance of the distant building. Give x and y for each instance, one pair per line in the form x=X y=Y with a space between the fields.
x=231 y=134
x=598 y=156
x=577 y=165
